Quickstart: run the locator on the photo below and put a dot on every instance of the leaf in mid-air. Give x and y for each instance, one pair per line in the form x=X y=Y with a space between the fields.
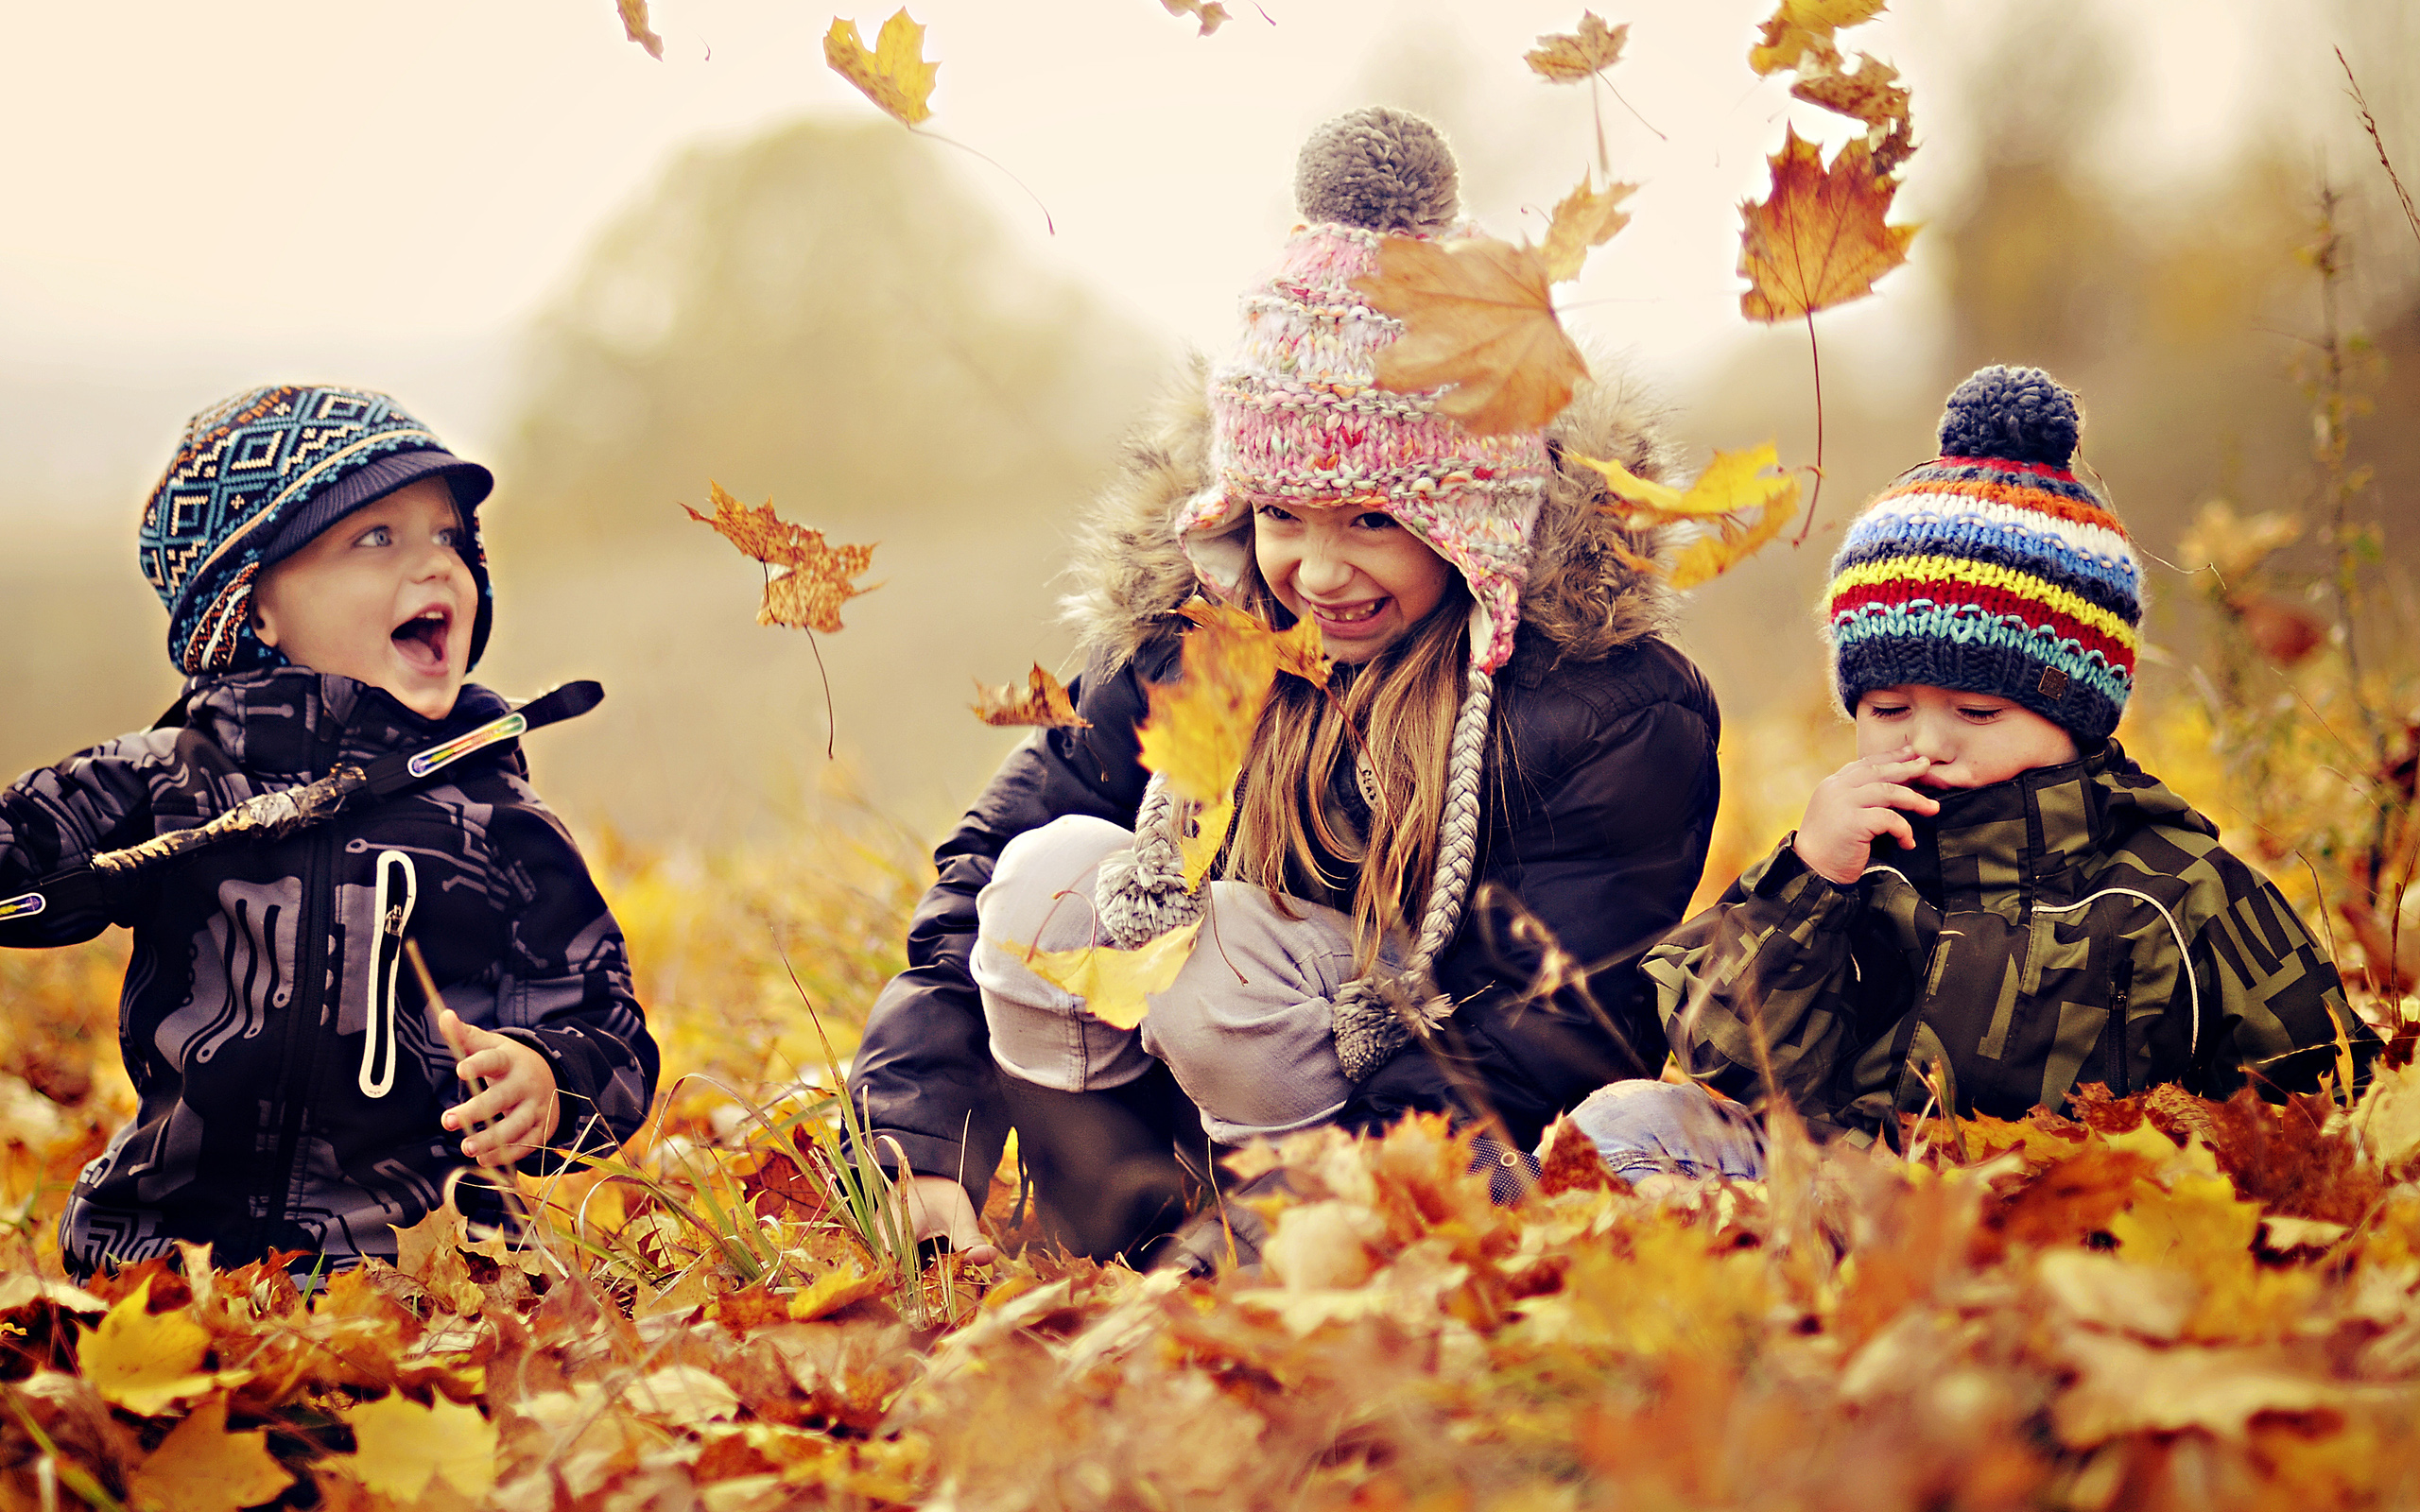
x=1478 y=317
x=1818 y=240
x=1870 y=93
x=1803 y=27
x=895 y=74
x=1116 y=985
x=634 y=26
x=1211 y=16
x=1745 y=508
x=1568 y=57
x=811 y=579
x=1586 y=217
x=1041 y=701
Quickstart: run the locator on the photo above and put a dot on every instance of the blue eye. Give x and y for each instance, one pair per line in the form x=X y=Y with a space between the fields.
x=376 y=536
x=449 y=536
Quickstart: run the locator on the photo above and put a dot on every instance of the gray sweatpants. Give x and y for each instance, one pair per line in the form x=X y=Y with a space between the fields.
x=1244 y=1028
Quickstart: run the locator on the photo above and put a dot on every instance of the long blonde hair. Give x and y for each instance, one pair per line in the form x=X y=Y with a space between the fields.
x=1398 y=709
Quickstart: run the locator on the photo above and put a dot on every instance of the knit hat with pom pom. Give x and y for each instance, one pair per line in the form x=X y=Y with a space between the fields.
x=1296 y=419
x=1992 y=569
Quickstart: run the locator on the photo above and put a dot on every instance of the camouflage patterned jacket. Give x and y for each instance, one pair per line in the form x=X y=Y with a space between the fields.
x=2077 y=923
x=289 y=1075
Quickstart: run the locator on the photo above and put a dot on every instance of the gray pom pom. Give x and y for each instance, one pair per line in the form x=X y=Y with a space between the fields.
x=1385 y=169
x=2019 y=414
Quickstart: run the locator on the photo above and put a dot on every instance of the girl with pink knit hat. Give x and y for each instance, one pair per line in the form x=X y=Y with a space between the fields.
x=1443 y=864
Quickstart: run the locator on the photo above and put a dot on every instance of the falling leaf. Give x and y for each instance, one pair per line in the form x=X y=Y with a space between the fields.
x=810 y=581
x=201 y=1466
x=402 y=1447
x=1801 y=27
x=634 y=27
x=1568 y=57
x=1113 y=984
x=147 y=1363
x=1819 y=239
x=1476 y=316
x=1212 y=16
x=1872 y=94
x=1044 y=702
x=1586 y=217
x=1746 y=509
x=894 y=75
x=2284 y=633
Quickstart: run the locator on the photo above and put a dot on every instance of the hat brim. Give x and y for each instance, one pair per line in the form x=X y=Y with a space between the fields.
x=364 y=486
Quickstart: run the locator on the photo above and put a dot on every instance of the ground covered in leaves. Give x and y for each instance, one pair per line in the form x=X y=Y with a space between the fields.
x=2171 y=1302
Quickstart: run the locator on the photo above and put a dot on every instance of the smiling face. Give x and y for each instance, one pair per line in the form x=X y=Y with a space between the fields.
x=1361 y=577
x=382 y=596
x=1972 y=739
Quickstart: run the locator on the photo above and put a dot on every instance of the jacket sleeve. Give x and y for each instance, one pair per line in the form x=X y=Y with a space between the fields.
x=60 y=816
x=567 y=991
x=1545 y=970
x=1771 y=961
x=922 y=1078
x=2274 y=1006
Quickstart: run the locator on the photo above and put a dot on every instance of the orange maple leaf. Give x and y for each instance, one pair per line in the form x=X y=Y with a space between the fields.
x=634 y=26
x=1586 y=217
x=1479 y=323
x=1044 y=702
x=201 y=1466
x=895 y=74
x=1569 y=57
x=810 y=579
x=1872 y=94
x=1818 y=240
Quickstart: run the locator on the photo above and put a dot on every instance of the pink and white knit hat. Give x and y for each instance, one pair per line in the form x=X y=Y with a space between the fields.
x=1296 y=419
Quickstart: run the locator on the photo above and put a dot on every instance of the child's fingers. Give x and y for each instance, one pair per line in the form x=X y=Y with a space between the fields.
x=457 y=1035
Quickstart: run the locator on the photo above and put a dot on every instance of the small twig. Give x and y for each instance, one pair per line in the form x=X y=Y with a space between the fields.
x=1816 y=354
x=2370 y=124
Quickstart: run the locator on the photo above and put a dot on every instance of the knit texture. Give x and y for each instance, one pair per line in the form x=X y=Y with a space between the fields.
x=1992 y=569
x=251 y=465
x=1296 y=418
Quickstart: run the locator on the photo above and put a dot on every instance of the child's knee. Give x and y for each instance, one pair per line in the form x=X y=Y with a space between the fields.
x=1645 y=1128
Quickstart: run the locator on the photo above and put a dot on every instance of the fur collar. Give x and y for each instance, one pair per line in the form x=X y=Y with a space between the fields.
x=1130 y=574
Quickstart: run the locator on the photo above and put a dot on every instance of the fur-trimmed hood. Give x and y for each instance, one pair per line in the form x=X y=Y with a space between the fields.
x=1130 y=573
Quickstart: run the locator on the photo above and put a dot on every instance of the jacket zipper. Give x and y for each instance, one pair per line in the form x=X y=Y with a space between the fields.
x=2120 y=980
x=398 y=889
x=296 y=1059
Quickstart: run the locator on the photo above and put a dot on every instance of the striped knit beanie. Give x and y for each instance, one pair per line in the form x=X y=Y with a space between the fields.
x=259 y=476
x=1992 y=569
x=1295 y=417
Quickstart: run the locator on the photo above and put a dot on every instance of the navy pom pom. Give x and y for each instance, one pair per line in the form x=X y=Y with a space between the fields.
x=2020 y=414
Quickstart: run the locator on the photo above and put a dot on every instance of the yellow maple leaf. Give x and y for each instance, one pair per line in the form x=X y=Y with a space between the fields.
x=1568 y=57
x=401 y=1447
x=1745 y=508
x=1586 y=217
x=201 y=1466
x=634 y=26
x=1801 y=27
x=809 y=580
x=1212 y=16
x=895 y=74
x=146 y=1363
x=832 y=1291
x=1818 y=240
x=1478 y=317
x=1044 y=702
x=1116 y=985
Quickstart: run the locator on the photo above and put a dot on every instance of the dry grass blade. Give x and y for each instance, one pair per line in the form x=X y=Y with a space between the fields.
x=2370 y=124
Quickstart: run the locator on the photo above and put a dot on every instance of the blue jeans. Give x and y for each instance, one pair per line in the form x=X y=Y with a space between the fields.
x=1646 y=1129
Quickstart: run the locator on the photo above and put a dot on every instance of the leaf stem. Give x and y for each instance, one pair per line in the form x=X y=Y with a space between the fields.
x=1816 y=353
x=1048 y=224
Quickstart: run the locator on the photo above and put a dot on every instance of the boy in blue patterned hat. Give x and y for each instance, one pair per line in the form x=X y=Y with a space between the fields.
x=317 y=550
x=2046 y=915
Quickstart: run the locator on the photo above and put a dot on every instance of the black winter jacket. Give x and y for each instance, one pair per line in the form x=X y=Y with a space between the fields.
x=289 y=1073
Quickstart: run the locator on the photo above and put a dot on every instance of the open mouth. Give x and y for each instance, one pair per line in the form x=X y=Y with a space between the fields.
x=1347 y=614
x=421 y=639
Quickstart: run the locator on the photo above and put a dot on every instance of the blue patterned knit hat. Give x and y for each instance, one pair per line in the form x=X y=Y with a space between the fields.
x=254 y=479
x=1992 y=569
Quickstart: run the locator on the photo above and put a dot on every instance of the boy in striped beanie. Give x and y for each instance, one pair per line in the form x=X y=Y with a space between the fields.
x=1991 y=907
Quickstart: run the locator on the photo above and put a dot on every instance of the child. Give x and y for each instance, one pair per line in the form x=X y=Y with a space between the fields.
x=2046 y=915
x=317 y=549
x=1503 y=716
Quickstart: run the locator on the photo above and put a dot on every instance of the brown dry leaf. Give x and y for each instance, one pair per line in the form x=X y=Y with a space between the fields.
x=1116 y=985
x=1818 y=240
x=201 y=1466
x=1044 y=702
x=404 y=1447
x=1477 y=316
x=1569 y=57
x=1802 y=27
x=894 y=75
x=1870 y=92
x=147 y=1363
x=634 y=27
x=811 y=579
x=1586 y=217
x=1746 y=509
x=1212 y=16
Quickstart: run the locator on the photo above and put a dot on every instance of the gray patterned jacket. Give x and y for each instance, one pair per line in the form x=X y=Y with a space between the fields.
x=2077 y=923
x=289 y=1073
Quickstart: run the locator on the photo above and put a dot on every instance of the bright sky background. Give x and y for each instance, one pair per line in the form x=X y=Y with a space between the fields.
x=203 y=196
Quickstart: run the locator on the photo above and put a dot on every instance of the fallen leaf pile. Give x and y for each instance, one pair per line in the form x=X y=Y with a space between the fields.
x=808 y=581
x=2166 y=1302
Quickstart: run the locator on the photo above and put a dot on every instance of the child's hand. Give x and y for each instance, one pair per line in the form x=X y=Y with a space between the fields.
x=1857 y=805
x=518 y=1107
x=938 y=1208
